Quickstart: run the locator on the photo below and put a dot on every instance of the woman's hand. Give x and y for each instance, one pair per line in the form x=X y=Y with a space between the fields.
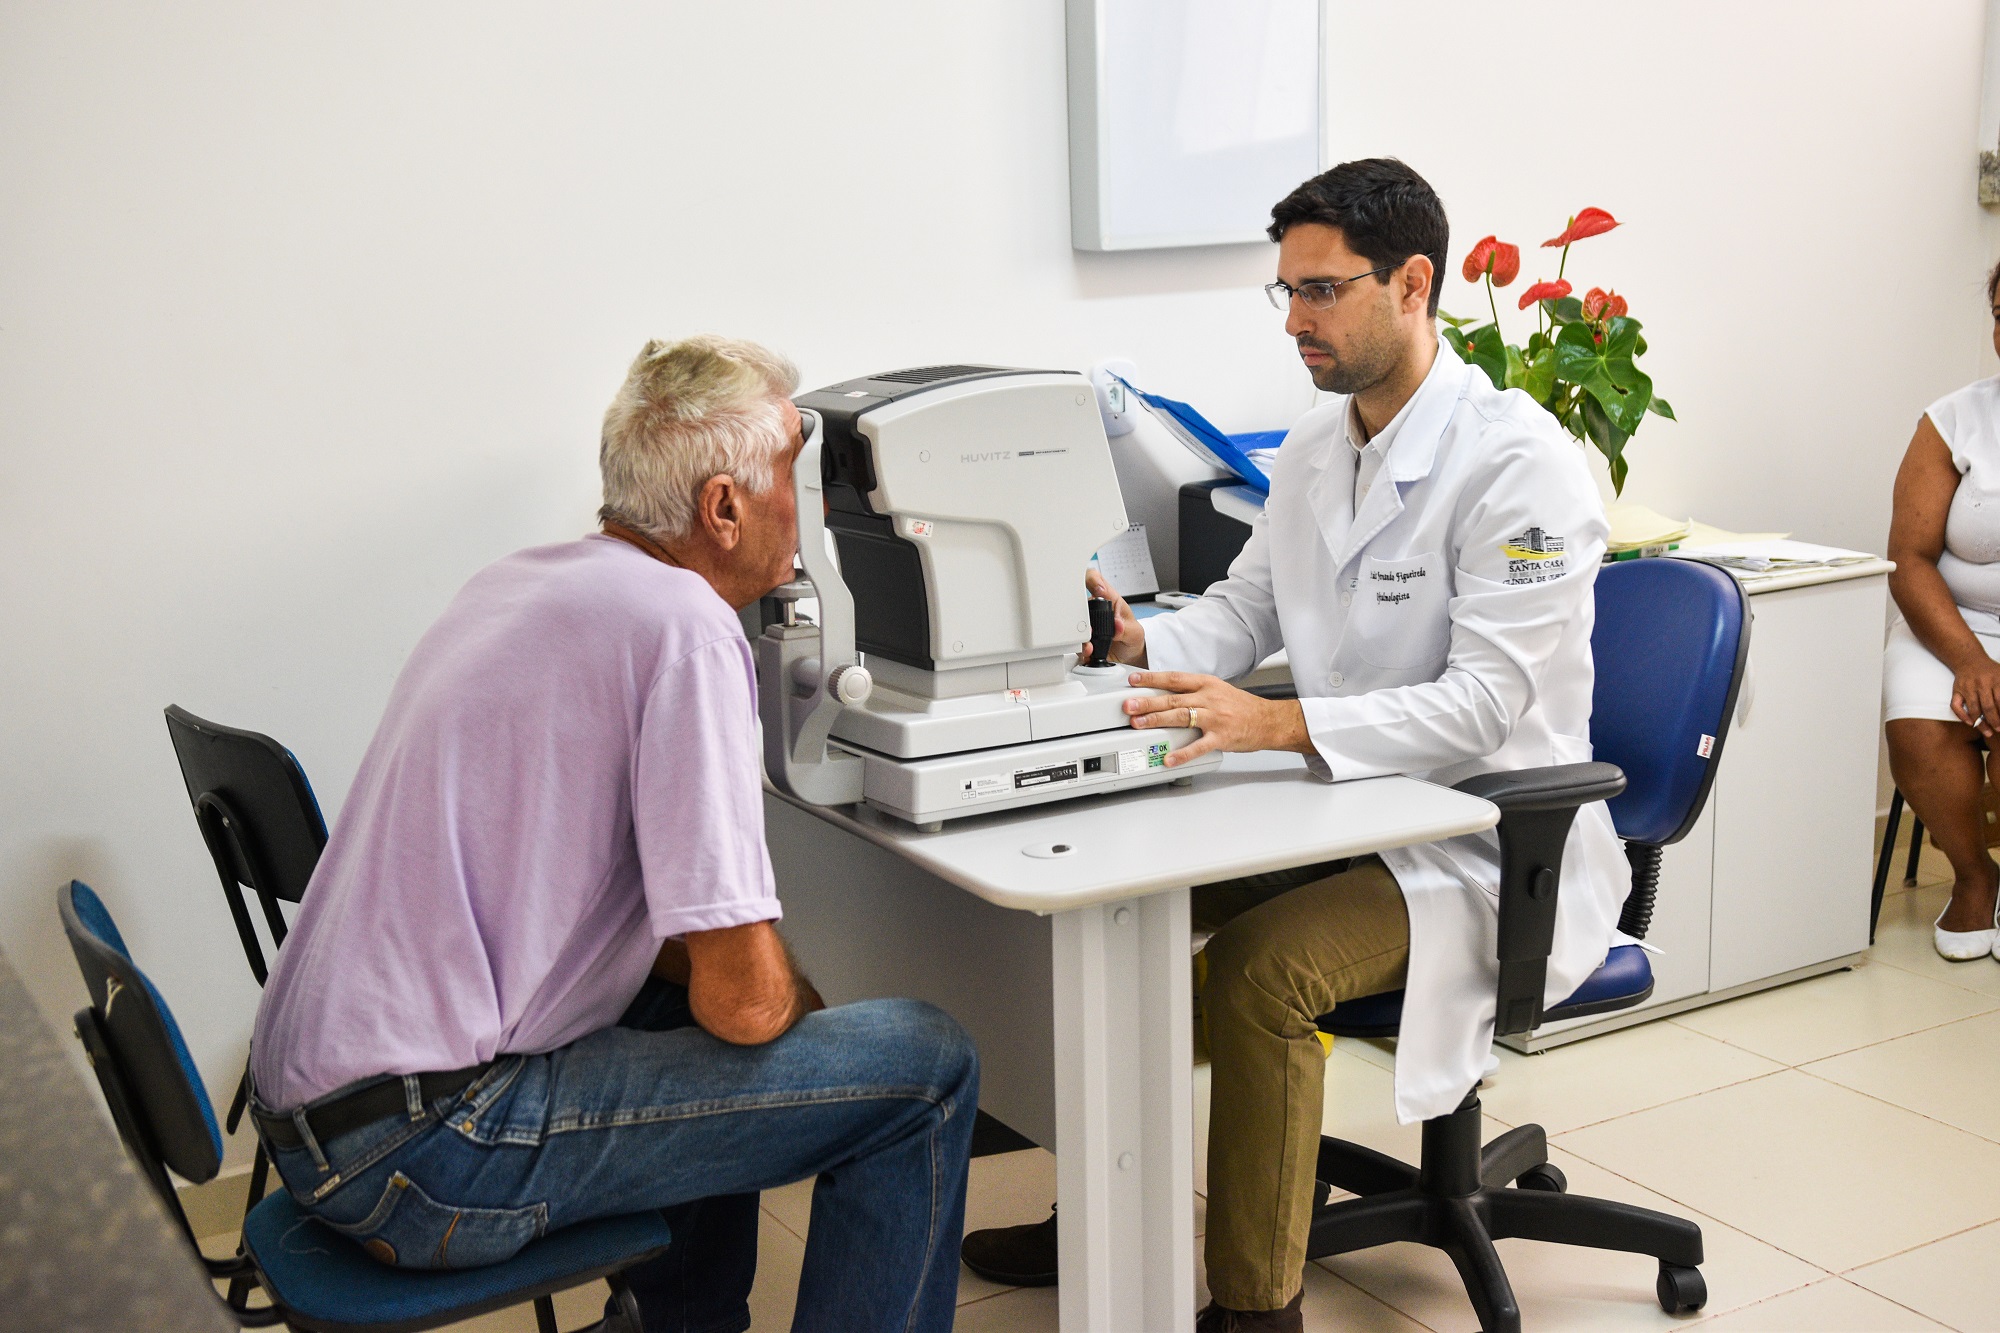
x=1128 y=640
x=1229 y=719
x=1975 y=696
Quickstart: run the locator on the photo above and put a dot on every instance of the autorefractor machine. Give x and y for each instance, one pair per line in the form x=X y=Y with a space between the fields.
x=940 y=680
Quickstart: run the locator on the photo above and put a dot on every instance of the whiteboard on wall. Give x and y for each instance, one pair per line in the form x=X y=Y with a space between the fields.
x=1188 y=119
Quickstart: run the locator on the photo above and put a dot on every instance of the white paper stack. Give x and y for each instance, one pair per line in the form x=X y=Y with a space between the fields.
x=1774 y=556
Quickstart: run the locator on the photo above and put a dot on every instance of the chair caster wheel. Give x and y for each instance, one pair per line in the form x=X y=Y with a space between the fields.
x=1547 y=1177
x=1681 y=1289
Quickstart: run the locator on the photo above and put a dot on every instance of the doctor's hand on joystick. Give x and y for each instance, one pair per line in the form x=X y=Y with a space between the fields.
x=1128 y=640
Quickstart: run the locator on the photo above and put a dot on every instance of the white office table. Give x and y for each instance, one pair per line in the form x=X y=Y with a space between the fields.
x=1059 y=937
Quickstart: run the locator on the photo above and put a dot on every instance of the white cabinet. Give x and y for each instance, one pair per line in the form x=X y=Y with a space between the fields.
x=1773 y=882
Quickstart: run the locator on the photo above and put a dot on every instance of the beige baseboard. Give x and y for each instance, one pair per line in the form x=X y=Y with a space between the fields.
x=216 y=1208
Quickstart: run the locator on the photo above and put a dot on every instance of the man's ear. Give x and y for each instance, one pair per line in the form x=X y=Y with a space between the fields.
x=719 y=513
x=1418 y=276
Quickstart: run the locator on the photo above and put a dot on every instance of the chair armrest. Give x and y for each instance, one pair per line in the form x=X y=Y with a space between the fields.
x=1558 y=787
x=1537 y=807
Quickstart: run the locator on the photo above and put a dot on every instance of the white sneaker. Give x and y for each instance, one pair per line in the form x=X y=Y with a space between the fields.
x=1964 y=945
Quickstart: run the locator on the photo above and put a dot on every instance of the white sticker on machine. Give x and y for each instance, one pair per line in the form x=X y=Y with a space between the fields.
x=1138 y=761
x=1047 y=775
x=1706 y=748
x=973 y=788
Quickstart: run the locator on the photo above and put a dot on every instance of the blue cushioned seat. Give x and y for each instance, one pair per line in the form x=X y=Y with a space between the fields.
x=317 y=1279
x=325 y=1281
x=1625 y=979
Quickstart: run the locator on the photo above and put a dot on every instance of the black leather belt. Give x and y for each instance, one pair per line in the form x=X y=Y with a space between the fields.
x=377 y=1101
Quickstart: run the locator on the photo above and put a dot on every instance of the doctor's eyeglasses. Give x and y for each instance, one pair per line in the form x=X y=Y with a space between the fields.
x=1320 y=293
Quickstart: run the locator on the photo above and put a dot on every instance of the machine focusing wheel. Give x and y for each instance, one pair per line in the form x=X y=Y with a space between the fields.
x=1681 y=1289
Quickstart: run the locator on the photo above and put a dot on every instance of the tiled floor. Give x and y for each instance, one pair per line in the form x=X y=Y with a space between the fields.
x=1838 y=1140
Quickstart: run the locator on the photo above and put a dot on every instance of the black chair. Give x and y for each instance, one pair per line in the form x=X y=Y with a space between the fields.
x=1889 y=832
x=316 y=1278
x=1882 y=858
x=262 y=826
x=258 y=817
x=1670 y=641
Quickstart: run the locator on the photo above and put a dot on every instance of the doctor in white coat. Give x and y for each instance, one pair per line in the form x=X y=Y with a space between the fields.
x=1426 y=560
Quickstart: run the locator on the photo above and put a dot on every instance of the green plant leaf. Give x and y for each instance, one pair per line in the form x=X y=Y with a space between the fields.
x=1456 y=341
x=1609 y=439
x=1605 y=370
x=1458 y=321
x=1566 y=311
x=1562 y=401
x=1538 y=380
x=1487 y=350
x=1517 y=367
x=1660 y=405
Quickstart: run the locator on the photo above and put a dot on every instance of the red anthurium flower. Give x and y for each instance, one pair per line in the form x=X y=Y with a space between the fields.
x=1600 y=304
x=1496 y=257
x=1590 y=222
x=1545 y=291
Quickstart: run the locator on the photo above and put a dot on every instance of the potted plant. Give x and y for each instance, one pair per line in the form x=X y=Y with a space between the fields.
x=1581 y=362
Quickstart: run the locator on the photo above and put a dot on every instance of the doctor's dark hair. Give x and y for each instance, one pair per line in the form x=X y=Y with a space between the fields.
x=1993 y=285
x=1385 y=211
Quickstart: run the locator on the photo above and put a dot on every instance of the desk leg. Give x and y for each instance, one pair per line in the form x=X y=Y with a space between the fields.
x=1124 y=1116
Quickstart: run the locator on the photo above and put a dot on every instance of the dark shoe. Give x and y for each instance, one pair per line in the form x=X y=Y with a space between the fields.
x=1221 y=1319
x=1022 y=1256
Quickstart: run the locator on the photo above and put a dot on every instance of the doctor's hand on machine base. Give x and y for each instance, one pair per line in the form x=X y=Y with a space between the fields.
x=1229 y=719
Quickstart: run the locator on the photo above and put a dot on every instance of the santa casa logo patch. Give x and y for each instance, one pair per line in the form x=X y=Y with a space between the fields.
x=1534 y=556
x=1534 y=544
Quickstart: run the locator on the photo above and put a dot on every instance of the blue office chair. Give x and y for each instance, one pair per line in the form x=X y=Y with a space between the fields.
x=1669 y=645
x=316 y=1278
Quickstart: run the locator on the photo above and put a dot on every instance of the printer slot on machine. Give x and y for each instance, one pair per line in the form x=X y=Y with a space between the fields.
x=942 y=678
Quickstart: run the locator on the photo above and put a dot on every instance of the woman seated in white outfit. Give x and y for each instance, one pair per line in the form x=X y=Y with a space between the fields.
x=1940 y=679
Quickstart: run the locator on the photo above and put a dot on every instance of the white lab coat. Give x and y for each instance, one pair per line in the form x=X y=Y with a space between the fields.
x=1442 y=632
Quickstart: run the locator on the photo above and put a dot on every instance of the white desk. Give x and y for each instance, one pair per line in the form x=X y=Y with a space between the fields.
x=1071 y=971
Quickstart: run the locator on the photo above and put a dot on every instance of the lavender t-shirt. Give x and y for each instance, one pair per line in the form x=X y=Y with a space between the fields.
x=567 y=774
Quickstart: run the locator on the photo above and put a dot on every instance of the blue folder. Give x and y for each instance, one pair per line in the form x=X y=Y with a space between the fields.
x=1201 y=436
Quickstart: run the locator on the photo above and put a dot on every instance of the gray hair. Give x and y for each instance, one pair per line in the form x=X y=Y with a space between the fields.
x=689 y=411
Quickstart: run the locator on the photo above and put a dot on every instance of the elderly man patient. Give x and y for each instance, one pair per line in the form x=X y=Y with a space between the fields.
x=537 y=980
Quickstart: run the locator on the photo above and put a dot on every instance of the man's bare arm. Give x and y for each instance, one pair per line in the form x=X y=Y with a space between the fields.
x=672 y=962
x=744 y=986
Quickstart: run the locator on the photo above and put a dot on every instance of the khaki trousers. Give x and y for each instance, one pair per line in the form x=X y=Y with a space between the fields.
x=1280 y=958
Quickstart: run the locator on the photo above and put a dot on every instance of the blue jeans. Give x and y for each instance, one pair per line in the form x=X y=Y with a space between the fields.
x=875 y=1099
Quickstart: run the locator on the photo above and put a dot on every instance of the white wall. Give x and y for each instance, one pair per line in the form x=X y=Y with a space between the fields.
x=308 y=311
x=1798 y=184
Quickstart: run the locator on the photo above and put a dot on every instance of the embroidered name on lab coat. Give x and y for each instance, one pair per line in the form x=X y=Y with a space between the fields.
x=1397 y=576
x=1534 y=556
